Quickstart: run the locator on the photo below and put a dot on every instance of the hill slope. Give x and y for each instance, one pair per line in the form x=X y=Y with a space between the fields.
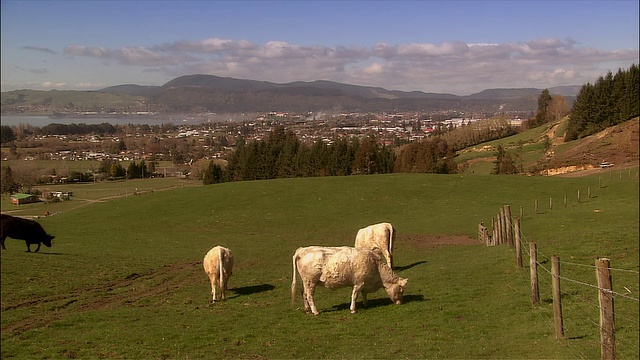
x=617 y=144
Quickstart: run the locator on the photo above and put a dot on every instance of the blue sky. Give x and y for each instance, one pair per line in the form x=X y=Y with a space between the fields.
x=458 y=47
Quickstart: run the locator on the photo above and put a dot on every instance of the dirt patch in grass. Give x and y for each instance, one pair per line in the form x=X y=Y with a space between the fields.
x=423 y=241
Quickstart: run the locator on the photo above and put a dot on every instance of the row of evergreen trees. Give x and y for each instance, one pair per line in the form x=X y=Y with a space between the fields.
x=114 y=170
x=611 y=100
x=283 y=155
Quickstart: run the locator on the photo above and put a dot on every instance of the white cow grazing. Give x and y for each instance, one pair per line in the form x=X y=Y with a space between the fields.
x=379 y=236
x=336 y=267
x=218 y=264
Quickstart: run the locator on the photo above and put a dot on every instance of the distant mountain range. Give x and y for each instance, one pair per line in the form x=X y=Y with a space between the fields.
x=209 y=93
x=224 y=94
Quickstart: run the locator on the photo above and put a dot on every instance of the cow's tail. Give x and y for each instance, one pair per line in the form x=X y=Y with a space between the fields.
x=221 y=267
x=392 y=238
x=293 y=282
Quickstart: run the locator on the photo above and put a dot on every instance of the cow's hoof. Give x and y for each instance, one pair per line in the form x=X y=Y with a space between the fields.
x=353 y=311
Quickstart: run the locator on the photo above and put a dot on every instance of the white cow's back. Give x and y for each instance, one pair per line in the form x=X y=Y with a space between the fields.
x=218 y=264
x=363 y=269
x=378 y=236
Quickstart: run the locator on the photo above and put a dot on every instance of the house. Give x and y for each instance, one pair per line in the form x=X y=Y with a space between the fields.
x=19 y=199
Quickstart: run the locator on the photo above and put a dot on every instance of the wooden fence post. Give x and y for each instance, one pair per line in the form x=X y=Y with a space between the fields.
x=605 y=300
x=557 y=303
x=501 y=227
x=550 y=203
x=533 y=266
x=578 y=195
x=508 y=224
x=483 y=234
x=600 y=182
x=565 y=200
x=494 y=227
x=521 y=212
x=535 y=205
x=518 y=242
x=589 y=192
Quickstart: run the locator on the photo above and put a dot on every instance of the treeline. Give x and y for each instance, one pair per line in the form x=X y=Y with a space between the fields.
x=112 y=169
x=283 y=155
x=427 y=156
x=478 y=132
x=78 y=129
x=611 y=100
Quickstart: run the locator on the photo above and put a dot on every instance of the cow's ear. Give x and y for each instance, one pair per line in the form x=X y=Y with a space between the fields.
x=403 y=282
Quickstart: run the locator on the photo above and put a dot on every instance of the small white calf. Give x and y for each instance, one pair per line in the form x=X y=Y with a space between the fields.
x=218 y=264
x=336 y=267
x=379 y=236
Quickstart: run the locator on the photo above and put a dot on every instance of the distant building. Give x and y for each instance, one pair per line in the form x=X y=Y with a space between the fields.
x=19 y=199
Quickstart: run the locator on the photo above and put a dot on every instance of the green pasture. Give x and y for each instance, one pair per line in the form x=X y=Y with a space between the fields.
x=124 y=277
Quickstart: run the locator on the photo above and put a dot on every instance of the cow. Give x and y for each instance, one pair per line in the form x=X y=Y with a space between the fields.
x=379 y=236
x=218 y=264
x=336 y=267
x=23 y=229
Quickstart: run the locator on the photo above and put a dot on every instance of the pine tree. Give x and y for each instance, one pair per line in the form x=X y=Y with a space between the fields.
x=610 y=101
x=542 y=115
x=8 y=183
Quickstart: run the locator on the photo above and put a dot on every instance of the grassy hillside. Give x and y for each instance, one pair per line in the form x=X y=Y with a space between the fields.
x=124 y=278
x=544 y=147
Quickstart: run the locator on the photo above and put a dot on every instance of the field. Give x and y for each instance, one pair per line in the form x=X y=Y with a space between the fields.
x=124 y=277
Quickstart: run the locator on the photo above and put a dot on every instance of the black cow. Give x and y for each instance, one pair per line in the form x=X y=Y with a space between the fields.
x=23 y=229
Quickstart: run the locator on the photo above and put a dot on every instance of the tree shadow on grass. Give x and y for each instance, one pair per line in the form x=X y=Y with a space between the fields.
x=402 y=268
x=374 y=303
x=253 y=289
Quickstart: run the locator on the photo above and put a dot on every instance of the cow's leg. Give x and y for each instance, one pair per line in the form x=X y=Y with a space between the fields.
x=310 y=289
x=38 y=248
x=28 y=247
x=223 y=288
x=354 y=297
x=305 y=299
x=364 y=299
x=213 y=289
x=2 y=241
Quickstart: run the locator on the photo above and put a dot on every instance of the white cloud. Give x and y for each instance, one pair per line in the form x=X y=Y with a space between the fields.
x=374 y=68
x=85 y=85
x=455 y=67
x=79 y=50
x=52 y=85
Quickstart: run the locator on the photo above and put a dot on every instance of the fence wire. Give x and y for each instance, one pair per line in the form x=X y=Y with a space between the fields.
x=581 y=310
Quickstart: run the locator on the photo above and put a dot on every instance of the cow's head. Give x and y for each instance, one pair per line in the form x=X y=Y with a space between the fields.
x=46 y=240
x=395 y=290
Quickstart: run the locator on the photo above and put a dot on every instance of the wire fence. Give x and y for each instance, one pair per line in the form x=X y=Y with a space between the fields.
x=580 y=304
